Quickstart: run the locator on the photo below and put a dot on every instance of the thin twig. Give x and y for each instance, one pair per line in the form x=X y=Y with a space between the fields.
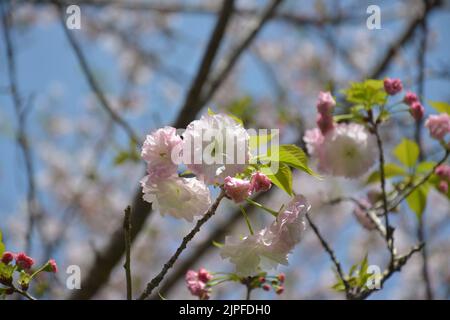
x=127 y=265
x=169 y=264
x=396 y=266
x=93 y=82
x=389 y=230
x=228 y=63
x=331 y=253
x=192 y=102
x=22 y=138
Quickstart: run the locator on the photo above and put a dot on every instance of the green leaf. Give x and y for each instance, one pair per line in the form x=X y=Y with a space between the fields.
x=290 y=155
x=407 y=152
x=282 y=178
x=390 y=170
x=417 y=200
x=24 y=279
x=367 y=93
x=439 y=106
x=262 y=139
x=2 y=245
x=425 y=167
x=210 y=112
x=217 y=244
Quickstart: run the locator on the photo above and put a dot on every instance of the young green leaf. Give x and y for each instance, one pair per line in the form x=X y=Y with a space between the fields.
x=439 y=106
x=407 y=152
x=282 y=178
x=417 y=200
x=390 y=170
x=2 y=245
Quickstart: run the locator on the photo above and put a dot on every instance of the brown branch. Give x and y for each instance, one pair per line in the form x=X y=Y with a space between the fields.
x=404 y=38
x=192 y=104
x=169 y=264
x=396 y=266
x=332 y=255
x=389 y=237
x=229 y=62
x=22 y=137
x=89 y=75
x=127 y=264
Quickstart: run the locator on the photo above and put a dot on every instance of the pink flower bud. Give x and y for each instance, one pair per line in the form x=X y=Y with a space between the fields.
x=237 y=189
x=7 y=257
x=260 y=182
x=51 y=266
x=439 y=125
x=266 y=287
x=325 y=103
x=325 y=122
x=204 y=275
x=443 y=186
x=23 y=261
x=281 y=277
x=443 y=171
x=196 y=286
x=393 y=86
x=262 y=279
x=280 y=290
x=417 y=110
x=410 y=98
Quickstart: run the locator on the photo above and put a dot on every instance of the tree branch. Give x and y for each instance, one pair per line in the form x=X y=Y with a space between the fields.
x=169 y=264
x=127 y=264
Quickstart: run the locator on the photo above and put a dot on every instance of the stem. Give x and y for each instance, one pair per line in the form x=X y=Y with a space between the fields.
x=249 y=291
x=127 y=265
x=247 y=220
x=258 y=205
x=389 y=229
x=169 y=264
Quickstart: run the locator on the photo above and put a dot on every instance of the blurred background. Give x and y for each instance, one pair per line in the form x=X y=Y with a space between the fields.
x=76 y=104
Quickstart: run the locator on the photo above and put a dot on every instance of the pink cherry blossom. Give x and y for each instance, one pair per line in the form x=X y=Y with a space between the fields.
x=410 y=98
x=196 y=286
x=313 y=139
x=160 y=149
x=443 y=171
x=349 y=150
x=439 y=125
x=204 y=275
x=260 y=182
x=7 y=257
x=325 y=103
x=23 y=261
x=216 y=146
x=443 y=186
x=269 y=246
x=361 y=215
x=325 y=122
x=393 y=86
x=178 y=197
x=417 y=110
x=237 y=189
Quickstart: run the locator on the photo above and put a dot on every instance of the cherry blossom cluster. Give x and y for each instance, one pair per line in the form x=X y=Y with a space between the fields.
x=203 y=142
x=341 y=149
x=240 y=189
x=201 y=282
x=22 y=264
x=198 y=283
x=270 y=246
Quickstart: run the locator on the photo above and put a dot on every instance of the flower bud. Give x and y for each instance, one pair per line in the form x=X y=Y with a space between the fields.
x=393 y=86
